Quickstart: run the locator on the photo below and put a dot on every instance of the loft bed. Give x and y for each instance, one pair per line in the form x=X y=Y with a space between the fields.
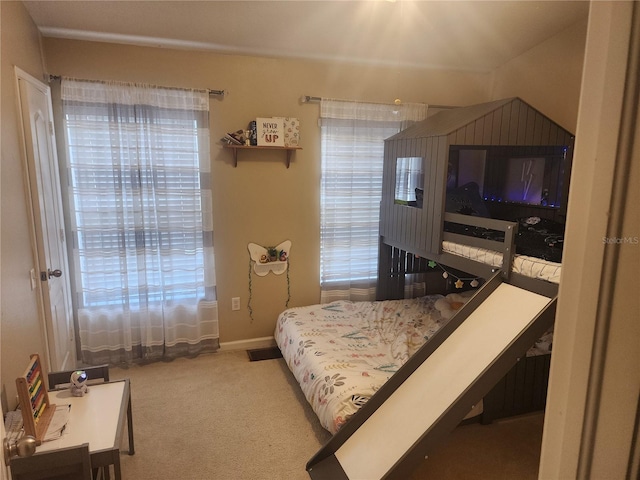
x=477 y=190
x=435 y=174
x=524 y=388
x=343 y=352
x=493 y=176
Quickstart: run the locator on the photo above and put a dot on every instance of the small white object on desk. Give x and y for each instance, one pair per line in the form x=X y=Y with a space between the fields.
x=79 y=383
x=58 y=423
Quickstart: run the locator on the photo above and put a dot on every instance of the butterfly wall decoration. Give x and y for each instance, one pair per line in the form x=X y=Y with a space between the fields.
x=270 y=259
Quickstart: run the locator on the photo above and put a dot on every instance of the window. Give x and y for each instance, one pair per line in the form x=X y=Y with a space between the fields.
x=139 y=209
x=409 y=181
x=352 y=144
x=110 y=202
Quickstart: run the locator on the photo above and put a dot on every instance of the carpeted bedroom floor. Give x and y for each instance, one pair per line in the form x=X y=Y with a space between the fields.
x=223 y=417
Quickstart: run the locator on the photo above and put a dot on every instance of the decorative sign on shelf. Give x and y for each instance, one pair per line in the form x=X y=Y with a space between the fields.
x=270 y=132
x=278 y=132
x=270 y=259
x=291 y=132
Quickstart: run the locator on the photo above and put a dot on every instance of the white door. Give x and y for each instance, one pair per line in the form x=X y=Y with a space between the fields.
x=46 y=205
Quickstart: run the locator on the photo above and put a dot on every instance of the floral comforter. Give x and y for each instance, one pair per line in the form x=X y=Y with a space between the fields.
x=341 y=353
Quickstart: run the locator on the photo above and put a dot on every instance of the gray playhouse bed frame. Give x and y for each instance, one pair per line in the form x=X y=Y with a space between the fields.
x=411 y=237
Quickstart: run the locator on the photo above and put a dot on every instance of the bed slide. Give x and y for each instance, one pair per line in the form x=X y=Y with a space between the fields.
x=428 y=397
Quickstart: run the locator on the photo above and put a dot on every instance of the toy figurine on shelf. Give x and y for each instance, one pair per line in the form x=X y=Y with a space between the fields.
x=79 y=383
x=253 y=133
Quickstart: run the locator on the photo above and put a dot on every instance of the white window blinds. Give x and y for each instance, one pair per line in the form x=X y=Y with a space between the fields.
x=352 y=145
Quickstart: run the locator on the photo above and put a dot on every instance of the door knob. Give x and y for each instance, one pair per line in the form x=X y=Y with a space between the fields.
x=54 y=273
x=23 y=447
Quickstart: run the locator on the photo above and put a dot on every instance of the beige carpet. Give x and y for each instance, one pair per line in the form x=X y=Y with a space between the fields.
x=218 y=416
x=222 y=417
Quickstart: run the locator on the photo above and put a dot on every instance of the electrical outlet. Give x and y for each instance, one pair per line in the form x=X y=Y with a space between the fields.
x=235 y=303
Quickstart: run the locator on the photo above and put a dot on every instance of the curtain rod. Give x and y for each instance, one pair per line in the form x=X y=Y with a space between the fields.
x=309 y=99
x=208 y=90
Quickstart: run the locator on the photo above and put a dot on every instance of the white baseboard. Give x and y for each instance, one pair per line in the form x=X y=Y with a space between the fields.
x=248 y=344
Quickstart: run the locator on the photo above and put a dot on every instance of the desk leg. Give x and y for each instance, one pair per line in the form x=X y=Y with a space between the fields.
x=130 y=427
x=116 y=469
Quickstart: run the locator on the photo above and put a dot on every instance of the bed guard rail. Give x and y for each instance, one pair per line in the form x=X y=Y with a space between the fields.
x=506 y=247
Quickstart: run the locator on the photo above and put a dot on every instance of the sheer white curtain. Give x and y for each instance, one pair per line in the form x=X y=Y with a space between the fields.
x=139 y=197
x=352 y=144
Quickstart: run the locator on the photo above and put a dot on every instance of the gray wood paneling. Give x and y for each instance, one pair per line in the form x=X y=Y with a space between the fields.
x=433 y=185
x=499 y=123
x=514 y=117
x=421 y=148
x=496 y=128
x=478 y=133
x=521 y=126
x=537 y=128
x=546 y=132
x=442 y=148
x=402 y=224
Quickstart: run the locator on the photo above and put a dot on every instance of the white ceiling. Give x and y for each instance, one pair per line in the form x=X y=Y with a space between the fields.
x=469 y=35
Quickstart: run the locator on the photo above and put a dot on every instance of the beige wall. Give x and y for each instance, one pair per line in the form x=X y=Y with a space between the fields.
x=261 y=200
x=20 y=326
x=548 y=76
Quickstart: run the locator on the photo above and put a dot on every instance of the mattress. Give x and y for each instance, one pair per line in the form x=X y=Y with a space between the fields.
x=525 y=265
x=341 y=353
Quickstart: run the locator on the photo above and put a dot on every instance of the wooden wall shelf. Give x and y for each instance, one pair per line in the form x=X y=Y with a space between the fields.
x=235 y=149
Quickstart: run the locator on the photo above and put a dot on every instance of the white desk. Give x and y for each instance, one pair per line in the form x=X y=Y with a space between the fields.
x=96 y=418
